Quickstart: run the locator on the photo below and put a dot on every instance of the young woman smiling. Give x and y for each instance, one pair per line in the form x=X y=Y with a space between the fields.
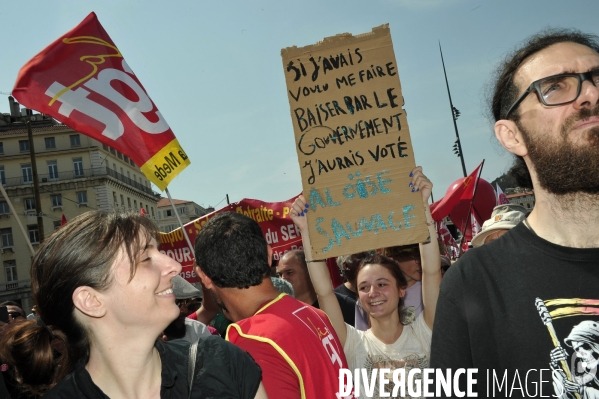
x=388 y=343
x=105 y=290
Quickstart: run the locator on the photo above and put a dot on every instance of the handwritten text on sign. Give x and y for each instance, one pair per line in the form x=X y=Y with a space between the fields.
x=353 y=144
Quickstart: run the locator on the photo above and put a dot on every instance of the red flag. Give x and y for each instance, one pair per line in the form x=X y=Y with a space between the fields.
x=464 y=190
x=82 y=80
x=501 y=198
x=63 y=220
x=142 y=212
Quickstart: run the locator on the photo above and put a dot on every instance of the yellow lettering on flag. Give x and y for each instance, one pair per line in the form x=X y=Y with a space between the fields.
x=166 y=164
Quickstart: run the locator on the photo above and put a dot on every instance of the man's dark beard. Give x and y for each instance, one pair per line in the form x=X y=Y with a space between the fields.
x=217 y=301
x=563 y=167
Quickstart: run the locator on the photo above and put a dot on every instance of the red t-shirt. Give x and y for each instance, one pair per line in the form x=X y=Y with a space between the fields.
x=296 y=346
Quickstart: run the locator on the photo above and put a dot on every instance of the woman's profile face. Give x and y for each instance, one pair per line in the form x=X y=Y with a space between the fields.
x=148 y=299
x=378 y=290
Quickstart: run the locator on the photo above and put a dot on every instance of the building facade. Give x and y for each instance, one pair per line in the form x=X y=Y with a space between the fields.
x=524 y=198
x=187 y=210
x=75 y=173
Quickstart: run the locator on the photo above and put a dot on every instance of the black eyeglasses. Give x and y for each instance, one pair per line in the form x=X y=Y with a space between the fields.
x=15 y=314
x=558 y=89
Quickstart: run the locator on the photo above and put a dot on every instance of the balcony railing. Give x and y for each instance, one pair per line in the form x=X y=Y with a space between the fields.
x=77 y=174
x=15 y=285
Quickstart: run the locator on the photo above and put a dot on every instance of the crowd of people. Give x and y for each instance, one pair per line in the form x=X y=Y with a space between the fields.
x=113 y=318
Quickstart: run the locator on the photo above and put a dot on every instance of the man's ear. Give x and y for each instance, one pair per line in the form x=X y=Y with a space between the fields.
x=206 y=281
x=89 y=301
x=270 y=252
x=510 y=137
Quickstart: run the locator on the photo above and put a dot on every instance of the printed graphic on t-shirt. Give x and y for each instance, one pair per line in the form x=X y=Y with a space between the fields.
x=575 y=357
x=408 y=315
x=407 y=363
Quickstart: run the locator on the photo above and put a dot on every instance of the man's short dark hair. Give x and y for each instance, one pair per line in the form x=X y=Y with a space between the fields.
x=505 y=91
x=231 y=250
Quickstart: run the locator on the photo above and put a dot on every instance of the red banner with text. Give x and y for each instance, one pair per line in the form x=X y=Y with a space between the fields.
x=273 y=217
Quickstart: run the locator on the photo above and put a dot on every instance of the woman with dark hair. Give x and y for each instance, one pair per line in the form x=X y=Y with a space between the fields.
x=389 y=343
x=104 y=290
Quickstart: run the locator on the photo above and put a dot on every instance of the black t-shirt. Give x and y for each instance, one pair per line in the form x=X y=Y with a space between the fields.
x=487 y=315
x=222 y=371
x=347 y=305
x=343 y=290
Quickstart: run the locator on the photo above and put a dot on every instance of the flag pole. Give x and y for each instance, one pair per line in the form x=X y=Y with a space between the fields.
x=168 y=194
x=471 y=205
x=12 y=209
x=454 y=116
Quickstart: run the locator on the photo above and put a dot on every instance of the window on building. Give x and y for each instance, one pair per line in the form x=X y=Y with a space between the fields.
x=52 y=170
x=152 y=208
x=23 y=145
x=1 y=147
x=2 y=175
x=116 y=203
x=78 y=166
x=105 y=147
x=30 y=204
x=132 y=163
x=34 y=234
x=75 y=140
x=56 y=224
x=6 y=237
x=119 y=155
x=56 y=200
x=10 y=267
x=122 y=200
x=27 y=173
x=50 y=142
x=112 y=151
x=129 y=202
x=4 y=209
x=122 y=174
x=528 y=205
x=182 y=211
x=168 y=213
x=82 y=197
x=126 y=158
x=135 y=204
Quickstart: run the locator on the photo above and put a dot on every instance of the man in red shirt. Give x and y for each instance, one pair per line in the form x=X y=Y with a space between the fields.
x=294 y=343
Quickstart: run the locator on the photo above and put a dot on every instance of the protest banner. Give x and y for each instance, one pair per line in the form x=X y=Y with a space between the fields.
x=273 y=217
x=353 y=144
x=83 y=81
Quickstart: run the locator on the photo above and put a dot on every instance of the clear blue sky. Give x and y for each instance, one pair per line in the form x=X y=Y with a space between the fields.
x=215 y=72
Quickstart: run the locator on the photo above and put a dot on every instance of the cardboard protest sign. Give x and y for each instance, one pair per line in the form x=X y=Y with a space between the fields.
x=273 y=217
x=83 y=81
x=353 y=144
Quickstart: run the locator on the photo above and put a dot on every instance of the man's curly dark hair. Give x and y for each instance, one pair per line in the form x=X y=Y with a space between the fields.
x=231 y=250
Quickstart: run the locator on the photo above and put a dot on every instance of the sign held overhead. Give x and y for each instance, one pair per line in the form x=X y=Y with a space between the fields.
x=353 y=144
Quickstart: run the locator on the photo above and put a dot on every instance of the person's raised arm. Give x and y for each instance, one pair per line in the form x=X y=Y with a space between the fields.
x=319 y=272
x=429 y=252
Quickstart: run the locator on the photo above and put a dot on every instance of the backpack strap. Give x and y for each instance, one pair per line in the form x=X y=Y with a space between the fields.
x=191 y=364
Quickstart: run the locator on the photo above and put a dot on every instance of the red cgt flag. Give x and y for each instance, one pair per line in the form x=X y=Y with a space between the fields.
x=63 y=220
x=83 y=81
x=443 y=207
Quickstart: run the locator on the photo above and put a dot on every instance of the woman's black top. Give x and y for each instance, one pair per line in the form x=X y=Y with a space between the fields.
x=222 y=371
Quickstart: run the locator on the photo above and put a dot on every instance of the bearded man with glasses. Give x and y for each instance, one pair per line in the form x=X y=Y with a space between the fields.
x=505 y=306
